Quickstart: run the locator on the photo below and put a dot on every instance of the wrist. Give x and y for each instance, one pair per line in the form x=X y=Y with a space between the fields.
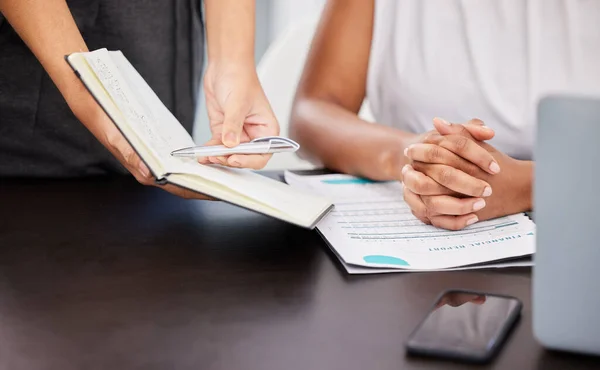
x=230 y=27
x=392 y=159
x=231 y=65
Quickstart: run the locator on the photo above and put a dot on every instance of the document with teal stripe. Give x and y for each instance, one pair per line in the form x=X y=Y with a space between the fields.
x=371 y=229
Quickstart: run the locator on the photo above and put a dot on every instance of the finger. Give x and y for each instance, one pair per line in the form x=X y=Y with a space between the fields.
x=211 y=142
x=431 y=153
x=469 y=150
x=142 y=174
x=421 y=184
x=476 y=129
x=215 y=160
x=222 y=160
x=453 y=222
x=447 y=205
x=255 y=161
x=424 y=220
x=454 y=179
x=203 y=160
x=124 y=152
x=415 y=203
x=233 y=123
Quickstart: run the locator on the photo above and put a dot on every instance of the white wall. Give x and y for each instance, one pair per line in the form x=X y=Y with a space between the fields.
x=285 y=12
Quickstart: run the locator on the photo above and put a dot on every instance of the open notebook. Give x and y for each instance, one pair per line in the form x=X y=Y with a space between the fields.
x=372 y=230
x=154 y=133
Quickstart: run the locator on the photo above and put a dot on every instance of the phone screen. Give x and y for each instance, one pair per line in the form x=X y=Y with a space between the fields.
x=465 y=325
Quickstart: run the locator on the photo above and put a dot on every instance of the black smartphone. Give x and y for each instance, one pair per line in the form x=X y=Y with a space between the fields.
x=465 y=325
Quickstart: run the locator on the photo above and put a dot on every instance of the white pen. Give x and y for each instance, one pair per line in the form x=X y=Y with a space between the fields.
x=263 y=145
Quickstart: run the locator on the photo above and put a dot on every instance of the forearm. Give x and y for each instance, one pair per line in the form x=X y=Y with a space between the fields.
x=341 y=141
x=230 y=30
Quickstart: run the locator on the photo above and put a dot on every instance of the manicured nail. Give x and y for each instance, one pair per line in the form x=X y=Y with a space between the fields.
x=406 y=152
x=405 y=169
x=443 y=121
x=143 y=169
x=478 y=205
x=487 y=191
x=472 y=220
x=229 y=139
x=494 y=167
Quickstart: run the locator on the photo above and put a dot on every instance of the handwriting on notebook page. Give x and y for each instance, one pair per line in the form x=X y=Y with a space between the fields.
x=138 y=116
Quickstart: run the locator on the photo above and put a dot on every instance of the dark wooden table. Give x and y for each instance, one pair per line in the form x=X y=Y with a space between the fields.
x=107 y=274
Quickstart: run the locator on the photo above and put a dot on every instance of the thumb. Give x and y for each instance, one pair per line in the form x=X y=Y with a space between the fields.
x=474 y=128
x=233 y=123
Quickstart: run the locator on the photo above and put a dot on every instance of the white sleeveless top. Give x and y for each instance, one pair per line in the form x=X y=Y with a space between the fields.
x=489 y=59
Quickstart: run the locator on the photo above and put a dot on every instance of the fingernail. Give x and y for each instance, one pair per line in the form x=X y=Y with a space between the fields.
x=487 y=191
x=478 y=205
x=488 y=129
x=443 y=121
x=472 y=220
x=405 y=169
x=494 y=167
x=143 y=169
x=406 y=152
x=236 y=164
x=229 y=139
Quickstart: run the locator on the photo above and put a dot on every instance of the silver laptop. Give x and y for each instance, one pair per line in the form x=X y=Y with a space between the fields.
x=566 y=276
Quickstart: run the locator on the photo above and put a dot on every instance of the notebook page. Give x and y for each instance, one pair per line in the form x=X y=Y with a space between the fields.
x=372 y=226
x=297 y=203
x=152 y=122
x=87 y=75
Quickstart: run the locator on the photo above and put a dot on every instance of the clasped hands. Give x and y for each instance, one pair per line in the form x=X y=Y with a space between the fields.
x=455 y=179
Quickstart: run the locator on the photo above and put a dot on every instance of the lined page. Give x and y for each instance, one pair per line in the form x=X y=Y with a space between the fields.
x=371 y=225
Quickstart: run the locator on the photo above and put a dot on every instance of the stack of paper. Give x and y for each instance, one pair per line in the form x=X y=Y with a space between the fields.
x=372 y=230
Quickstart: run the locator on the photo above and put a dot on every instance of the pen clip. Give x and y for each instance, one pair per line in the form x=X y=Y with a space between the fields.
x=277 y=142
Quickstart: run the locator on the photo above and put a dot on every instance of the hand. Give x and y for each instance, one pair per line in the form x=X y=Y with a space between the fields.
x=238 y=111
x=450 y=191
x=449 y=146
x=49 y=30
x=430 y=147
x=94 y=118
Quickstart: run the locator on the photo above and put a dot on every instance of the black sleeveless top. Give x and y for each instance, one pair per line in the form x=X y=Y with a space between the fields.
x=40 y=136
